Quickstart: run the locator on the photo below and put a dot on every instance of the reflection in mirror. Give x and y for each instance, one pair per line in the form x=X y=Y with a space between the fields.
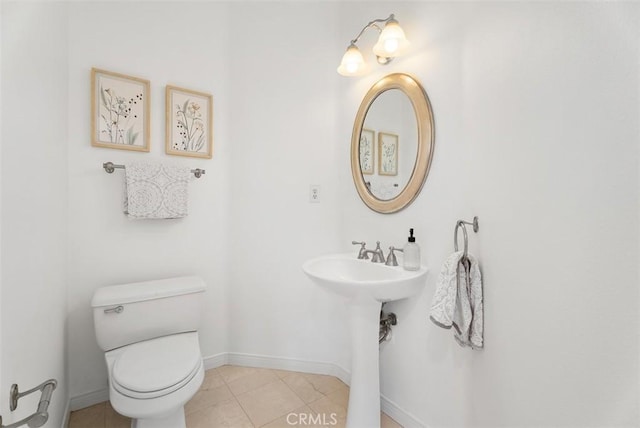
x=392 y=143
x=395 y=144
x=367 y=143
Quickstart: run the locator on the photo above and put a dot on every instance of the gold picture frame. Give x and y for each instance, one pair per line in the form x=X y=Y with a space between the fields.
x=119 y=111
x=189 y=123
x=387 y=153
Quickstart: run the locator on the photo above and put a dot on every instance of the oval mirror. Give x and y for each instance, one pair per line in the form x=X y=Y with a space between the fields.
x=392 y=143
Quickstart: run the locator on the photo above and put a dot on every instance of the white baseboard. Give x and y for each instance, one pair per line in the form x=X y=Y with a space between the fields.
x=89 y=399
x=398 y=414
x=214 y=361
x=291 y=364
x=401 y=416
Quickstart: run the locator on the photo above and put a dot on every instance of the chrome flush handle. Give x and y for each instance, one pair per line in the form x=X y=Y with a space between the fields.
x=117 y=310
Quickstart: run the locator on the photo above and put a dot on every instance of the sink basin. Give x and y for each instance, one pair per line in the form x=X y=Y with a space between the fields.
x=366 y=285
x=344 y=274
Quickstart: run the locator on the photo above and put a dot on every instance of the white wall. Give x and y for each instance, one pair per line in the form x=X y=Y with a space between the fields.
x=536 y=110
x=34 y=201
x=1 y=136
x=168 y=43
x=283 y=122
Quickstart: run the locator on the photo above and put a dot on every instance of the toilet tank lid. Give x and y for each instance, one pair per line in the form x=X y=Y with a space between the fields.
x=147 y=290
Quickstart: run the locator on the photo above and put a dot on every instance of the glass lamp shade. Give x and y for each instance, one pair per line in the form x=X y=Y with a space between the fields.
x=352 y=62
x=392 y=41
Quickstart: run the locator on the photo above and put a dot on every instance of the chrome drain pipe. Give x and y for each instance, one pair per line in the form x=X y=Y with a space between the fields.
x=386 y=321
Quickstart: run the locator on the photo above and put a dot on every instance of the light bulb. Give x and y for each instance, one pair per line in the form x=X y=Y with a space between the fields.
x=352 y=62
x=392 y=41
x=391 y=45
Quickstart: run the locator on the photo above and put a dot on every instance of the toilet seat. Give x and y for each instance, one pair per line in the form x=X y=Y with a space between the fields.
x=157 y=367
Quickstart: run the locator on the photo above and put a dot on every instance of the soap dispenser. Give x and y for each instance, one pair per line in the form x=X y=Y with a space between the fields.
x=411 y=253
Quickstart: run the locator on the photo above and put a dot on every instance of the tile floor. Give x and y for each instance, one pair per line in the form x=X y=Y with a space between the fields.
x=238 y=397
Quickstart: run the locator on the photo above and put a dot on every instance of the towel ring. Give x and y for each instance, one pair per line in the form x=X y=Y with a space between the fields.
x=461 y=223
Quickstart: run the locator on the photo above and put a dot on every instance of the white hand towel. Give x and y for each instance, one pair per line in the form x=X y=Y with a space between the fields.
x=154 y=190
x=458 y=300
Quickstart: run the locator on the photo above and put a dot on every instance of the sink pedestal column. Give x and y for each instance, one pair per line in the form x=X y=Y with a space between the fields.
x=364 y=395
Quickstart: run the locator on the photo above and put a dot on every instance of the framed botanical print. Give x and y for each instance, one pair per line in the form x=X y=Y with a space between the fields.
x=387 y=154
x=367 y=151
x=119 y=111
x=189 y=123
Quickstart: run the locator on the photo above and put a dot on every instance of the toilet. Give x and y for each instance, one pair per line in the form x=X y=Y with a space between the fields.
x=149 y=332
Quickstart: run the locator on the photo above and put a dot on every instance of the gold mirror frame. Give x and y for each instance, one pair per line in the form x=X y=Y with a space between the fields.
x=426 y=138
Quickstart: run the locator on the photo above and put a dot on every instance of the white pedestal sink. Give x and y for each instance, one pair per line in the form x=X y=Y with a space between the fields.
x=366 y=285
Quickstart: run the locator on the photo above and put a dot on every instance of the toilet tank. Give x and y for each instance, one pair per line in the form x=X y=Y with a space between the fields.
x=130 y=313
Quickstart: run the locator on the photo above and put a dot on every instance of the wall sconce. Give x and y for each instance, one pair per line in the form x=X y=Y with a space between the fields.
x=391 y=43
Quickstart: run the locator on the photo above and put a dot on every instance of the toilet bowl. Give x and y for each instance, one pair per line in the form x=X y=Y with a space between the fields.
x=149 y=333
x=152 y=380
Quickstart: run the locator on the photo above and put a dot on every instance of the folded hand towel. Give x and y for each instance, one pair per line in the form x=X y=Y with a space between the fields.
x=458 y=300
x=154 y=190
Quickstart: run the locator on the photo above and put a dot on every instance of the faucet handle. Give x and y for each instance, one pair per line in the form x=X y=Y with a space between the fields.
x=362 y=254
x=391 y=258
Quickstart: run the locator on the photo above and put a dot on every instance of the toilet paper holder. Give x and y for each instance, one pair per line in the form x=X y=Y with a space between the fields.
x=41 y=415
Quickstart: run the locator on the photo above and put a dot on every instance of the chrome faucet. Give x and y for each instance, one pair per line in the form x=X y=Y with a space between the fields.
x=377 y=254
x=391 y=258
x=362 y=254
